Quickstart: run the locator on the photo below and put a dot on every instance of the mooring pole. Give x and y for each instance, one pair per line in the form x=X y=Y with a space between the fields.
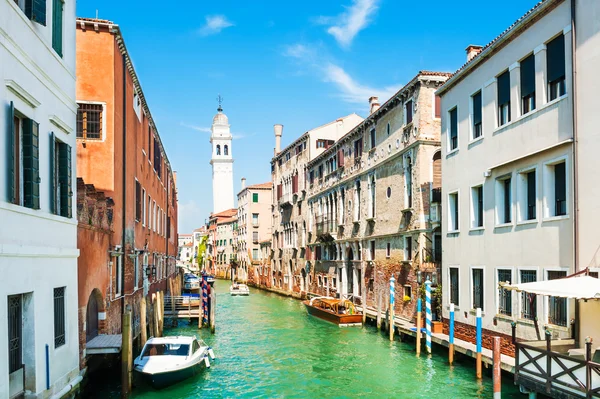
x=419 y=326
x=126 y=353
x=428 y=315
x=392 y=300
x=497 y=369
x=478 y=358
x=451 y=335
x=379 y=310
x=143 y=336
x=213 y=308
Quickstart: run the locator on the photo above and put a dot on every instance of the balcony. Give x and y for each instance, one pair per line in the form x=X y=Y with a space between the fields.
x=285 y=200
x=435 y=214
x=255 y=224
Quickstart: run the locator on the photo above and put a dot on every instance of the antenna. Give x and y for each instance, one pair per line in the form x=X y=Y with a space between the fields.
x=220 y=101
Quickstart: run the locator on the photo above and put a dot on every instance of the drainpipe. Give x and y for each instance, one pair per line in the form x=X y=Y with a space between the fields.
x=575 y=158
x=47 y=367
x=124 y=209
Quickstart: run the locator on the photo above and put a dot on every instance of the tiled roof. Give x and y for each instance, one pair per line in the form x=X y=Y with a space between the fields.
x=226 y=213
x=227 y=220
x=262 y=185
x=462 y=71
x=97 y=20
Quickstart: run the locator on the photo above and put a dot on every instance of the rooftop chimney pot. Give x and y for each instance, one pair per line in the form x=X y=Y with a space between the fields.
x=243 y=183
x=374 y=103
x=472 y=51
x=278 y=128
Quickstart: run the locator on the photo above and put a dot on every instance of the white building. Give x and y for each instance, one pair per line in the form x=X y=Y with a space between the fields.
x=222 y=163
x=39 y=341
x=186 y=249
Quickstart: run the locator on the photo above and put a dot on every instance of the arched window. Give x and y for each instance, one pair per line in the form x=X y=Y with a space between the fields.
x=226 y=150
x=218 y=149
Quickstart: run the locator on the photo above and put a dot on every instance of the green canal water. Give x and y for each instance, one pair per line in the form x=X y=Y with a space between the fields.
x=268 y=347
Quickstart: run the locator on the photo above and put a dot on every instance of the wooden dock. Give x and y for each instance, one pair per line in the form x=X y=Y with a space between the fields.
x=182 y=307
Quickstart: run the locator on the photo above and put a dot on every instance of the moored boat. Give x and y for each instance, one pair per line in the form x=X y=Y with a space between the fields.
x=239 y=289
x=168 y=360
x=338 y=311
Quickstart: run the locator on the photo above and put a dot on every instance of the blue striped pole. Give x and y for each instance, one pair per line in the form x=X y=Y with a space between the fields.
x=451 y=335
x=392 y=300
x=428 y=315
x=204 y=300
x=478 y=358
x=419 y=310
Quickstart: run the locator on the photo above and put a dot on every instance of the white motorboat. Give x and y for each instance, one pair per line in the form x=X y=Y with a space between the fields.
x=239 y=289
x=168 y=360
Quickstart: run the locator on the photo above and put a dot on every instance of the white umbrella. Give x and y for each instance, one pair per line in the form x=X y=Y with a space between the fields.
x=578 y=287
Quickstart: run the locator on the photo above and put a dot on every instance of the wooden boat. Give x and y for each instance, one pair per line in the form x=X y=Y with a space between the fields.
x=338 y=311
x=168 y=360
x=239 y=289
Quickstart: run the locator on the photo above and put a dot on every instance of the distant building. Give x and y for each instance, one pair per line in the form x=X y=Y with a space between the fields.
x=185 y=250
x=39 y=339
x=220 y=249
x=254 y=225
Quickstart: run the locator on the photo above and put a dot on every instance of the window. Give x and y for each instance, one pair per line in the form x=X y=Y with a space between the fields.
x=226 y=150
x=218 y=149
x=255 y=236
x=149 y=141
x=477 y=206
x=388 y=250
x=408 y=182
x=503 y=200
x=60 y=183
x=255 y=219
x=453 y=291
x=372 y=197
x=503 y=98
x=389 y=192
x=136 y=272
x=527 y=195
x=144 y=209
x=149 y=221
x=372 y=138
x=137 y=105
x=407 y=292
x=453 y=212
x=254 y=254
x=408 y=112
x=557 y=307
x=555 y=64
x=504 y=296
x=477 y=287
x=138 y=201
x=255 y=197
x=57 y=26
x=453 y=136
x=89 y=121
x=477 y=119
x=372 y=250
x=357 y=202
x=34 y=10
x=319 y=281
x=59 y=317
x=118 y=276
x=528 y=301
x=528 y=84
x=388 y=129
x=408 y=252
x=358 y=148
x=555 y=189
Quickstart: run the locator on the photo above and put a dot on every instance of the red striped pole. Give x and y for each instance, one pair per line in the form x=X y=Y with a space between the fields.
x=497 y=370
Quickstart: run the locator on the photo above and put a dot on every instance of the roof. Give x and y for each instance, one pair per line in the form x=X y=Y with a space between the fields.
x=227 y=220
x=267 y=185
x=578 y=287
x=220 y=118
x=498 y=42
x=225 y=213
x=185 y=235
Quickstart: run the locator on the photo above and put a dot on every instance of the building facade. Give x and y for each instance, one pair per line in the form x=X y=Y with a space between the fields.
x=254 y=225
x=185 y=252
x=221 y=162
x=372 y=202
x=222 y=230
x=38 y=308
x=288 y=175
x=508 y=175
x=115 y=129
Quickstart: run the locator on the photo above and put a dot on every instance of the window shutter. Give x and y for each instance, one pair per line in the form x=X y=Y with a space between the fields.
x=138 y=201
x=477 y=108
x=31 y=164
x=340 y=157
x=35 y=10
x=409 y=111
x=555 y=58
x=52 y=173
x=10 y=178
x=528 y=76
x=295 y=184
x=64 y=179
x=168 y=226
x=504 y=88
x=438 y=107
x=57 y=26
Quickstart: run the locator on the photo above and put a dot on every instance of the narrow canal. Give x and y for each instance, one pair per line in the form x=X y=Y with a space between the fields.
x=268 y=347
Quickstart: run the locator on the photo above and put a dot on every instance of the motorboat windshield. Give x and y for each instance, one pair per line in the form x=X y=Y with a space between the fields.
x=167 y=349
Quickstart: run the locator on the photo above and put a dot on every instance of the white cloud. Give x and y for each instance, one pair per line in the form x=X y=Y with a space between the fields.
x=298 y=51
x=197 y=128
x=215 y=24
x=347 y=25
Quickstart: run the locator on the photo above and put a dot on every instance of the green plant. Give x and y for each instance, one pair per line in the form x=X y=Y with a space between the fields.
x=406 y=298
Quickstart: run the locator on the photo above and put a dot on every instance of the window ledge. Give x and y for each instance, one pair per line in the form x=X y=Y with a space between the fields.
x=526 y=222
x=526 y=322
x=454 y=232
x=504 y=317
x=405 y=210
x=503 y=225
x=371 y=219
x=529 y=114
x=474 y=312
x=555 y=327
x=454 y=151
x=456 y=308
x=476 y=140
x=477 y=228
x=555 y=218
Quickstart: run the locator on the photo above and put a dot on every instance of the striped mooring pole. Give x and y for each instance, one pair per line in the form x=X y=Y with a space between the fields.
x=497 y=369
x=451 y=335
x=428 y=315
x=419 y=310
x=204 y=300
x=478 y=341
x=392 y=300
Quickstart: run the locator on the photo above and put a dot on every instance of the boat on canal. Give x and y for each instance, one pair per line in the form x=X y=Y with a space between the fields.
x=239 y=290
x=338 y=311
x=167 y=360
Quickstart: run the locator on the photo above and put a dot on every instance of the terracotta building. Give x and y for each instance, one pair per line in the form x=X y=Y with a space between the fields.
x=219 y=248
x=120 y=153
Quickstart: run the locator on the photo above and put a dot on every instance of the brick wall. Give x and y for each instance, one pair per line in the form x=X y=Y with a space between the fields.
x=468 y=333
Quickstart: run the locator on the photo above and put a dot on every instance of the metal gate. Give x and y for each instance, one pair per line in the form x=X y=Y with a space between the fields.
x=16 y=368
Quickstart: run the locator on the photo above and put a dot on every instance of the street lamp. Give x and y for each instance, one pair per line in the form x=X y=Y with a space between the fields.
x=419 y=277
x=434 y=278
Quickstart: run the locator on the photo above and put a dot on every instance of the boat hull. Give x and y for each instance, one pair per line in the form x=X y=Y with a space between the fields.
x=163 y=380
x=339 y=319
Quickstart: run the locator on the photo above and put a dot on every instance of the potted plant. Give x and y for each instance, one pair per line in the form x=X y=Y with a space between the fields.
x=406 y=298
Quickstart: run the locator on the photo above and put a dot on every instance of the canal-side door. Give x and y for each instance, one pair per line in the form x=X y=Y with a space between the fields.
x=16 y=368
x=350 y=273
x=91 y=318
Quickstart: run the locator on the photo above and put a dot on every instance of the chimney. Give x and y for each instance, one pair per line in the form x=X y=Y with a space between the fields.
x=374 y=103
x=472 y=51
x=278 y=130
x=243 y=183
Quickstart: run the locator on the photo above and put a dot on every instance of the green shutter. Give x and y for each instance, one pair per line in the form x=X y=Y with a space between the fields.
x=10 y=156
x=52 y=174
x=31 y=164
x=64 y=179
x=35 y=10
x=57 y=26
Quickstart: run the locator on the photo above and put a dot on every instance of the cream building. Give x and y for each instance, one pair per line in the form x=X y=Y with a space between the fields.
x=254 y=225
x=372 y=204
x=288 y=174
x=508 y=177
x=226 y=253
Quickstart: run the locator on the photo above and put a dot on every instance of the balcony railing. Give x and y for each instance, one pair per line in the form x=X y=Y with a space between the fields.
x=435 y=213
x=436 y=195
x=285 y=200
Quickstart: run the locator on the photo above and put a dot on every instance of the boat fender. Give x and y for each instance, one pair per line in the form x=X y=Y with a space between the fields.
x=207 y=362
x=211 y=353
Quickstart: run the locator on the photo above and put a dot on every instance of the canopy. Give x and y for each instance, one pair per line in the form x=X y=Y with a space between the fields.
x=579 y=287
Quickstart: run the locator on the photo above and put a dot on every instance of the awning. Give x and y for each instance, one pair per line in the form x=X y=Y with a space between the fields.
x=579 y=287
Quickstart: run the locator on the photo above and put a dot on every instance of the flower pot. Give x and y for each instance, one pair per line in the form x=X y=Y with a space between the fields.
x=437 y=327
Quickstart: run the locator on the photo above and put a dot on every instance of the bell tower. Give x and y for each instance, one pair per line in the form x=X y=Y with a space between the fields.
x=221 y=161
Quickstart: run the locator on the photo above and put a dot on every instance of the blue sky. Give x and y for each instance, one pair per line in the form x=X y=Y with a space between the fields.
x=301 y=64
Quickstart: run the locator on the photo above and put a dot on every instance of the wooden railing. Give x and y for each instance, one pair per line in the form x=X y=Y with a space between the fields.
x=540 y=369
